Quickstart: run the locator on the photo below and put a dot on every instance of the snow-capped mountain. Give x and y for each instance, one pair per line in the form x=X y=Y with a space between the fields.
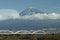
x=30 y=11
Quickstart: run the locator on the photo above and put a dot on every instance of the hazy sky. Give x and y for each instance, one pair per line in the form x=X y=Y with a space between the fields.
x=19 y=5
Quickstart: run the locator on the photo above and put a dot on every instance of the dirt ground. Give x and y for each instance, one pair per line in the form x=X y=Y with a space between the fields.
x=29 y=36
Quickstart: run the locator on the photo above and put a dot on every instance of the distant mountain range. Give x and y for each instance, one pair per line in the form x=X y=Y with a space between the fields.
x=20 y=24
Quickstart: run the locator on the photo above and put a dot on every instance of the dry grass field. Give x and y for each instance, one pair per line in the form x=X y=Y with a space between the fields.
x=29 y=36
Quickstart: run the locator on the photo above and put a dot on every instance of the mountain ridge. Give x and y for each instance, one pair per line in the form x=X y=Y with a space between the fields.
x=30 y=11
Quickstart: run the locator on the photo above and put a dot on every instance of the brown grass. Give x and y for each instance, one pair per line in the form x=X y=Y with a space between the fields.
x=29 y=36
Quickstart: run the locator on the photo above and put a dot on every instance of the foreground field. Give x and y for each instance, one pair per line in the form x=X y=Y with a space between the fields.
x=29 y=36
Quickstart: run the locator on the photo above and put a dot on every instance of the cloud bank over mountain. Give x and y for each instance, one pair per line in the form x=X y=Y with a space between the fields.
x=6 y=14
x=41 y=16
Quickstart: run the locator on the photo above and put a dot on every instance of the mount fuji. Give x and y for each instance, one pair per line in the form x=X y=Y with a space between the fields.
x=20 y=24
x=30 y=11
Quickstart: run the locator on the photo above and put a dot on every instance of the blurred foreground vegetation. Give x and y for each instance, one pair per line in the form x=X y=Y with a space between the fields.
x=29 y=36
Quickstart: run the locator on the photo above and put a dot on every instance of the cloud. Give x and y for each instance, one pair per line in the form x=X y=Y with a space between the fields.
x=40 y=16
x=6 y=14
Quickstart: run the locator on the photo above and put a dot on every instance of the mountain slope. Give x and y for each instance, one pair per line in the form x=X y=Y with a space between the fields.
x=29 y=24
x=30 y=11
